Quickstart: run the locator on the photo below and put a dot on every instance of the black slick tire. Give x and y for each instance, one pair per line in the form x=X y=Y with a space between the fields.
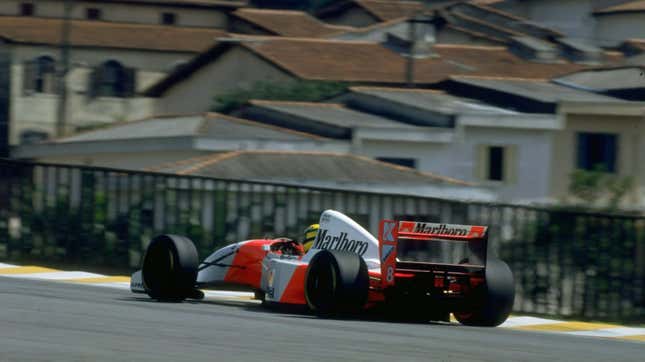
x=492 y=304
x=170 y=268
x=336 y=282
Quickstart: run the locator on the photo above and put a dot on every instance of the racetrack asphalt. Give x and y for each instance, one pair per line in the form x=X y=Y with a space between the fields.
x=47 y=321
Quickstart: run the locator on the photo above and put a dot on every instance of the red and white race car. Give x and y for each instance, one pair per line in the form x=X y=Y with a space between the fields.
x=428 y=270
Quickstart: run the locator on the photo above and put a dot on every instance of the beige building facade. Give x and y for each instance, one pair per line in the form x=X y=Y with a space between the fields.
x=185 y=13
x=90 y=102
x=600 y=134
x=237 y=68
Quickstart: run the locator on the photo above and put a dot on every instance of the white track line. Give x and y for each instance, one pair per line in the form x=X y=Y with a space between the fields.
x=527 y=321
x=58 y=275
x=611 y=332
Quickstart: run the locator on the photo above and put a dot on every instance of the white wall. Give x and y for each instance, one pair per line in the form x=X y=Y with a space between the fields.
x=532 y=160
x=458 y=159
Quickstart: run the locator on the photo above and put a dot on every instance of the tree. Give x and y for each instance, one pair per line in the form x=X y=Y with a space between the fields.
x=591 y=186
x=303 y=91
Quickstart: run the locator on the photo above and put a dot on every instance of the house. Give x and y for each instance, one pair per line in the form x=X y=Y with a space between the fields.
x=326 y=170
x=152 y=141
x=359 y=13
x=431 y=131
x=484 y=144
x=594 y=22
x=594 y=129
x=241 y=62
x=195 y=13
x=108 y=63
x=281 y=23
x=610 y=136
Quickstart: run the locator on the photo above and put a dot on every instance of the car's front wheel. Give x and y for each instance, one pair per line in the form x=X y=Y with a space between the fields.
x=170 y=268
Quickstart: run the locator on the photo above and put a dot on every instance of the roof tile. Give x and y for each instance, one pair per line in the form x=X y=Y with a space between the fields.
x=86 y=33
x=302 y=166
x=388 y=9
x=289 y=22
x=371 y=62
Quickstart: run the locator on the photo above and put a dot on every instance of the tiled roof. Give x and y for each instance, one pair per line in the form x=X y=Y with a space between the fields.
x=371 y=62
x=302 y=166
x=84 y=33
x=381 y=10
x=430 y=100
x=206 y=125
x=329 y=113
x=182 y=3
x=482 y=18
x=539 y=90
x=388 y=9
x=368 y=62
x=289 y=22
x=633 y=6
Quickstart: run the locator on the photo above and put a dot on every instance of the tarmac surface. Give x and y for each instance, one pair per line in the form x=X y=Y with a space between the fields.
x=52 y=321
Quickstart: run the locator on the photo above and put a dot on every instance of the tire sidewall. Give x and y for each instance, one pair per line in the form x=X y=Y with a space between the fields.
x=173 y=278
x=350 y=284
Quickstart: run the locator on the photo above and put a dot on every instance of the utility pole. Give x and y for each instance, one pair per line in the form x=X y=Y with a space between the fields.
x=63 y=69
x=409 y=65
x=5 y=99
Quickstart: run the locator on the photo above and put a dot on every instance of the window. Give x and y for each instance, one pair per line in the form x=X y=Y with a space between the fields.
x=406 y=162
x=111 y=79
x=93 y=14
x=597 y=151
x=496 y=163
x=168 y=18
x=40 y=75
x=26 y=9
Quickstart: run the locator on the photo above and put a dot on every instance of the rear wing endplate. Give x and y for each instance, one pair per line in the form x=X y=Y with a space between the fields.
x=390 y=231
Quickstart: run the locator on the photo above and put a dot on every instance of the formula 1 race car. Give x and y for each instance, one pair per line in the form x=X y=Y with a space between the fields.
x=425 y=270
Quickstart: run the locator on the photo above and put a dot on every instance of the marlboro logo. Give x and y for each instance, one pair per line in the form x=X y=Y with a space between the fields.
x=339 y=242
x=441 y=229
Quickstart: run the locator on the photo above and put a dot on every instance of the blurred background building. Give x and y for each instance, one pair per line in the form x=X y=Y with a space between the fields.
x=512 y=96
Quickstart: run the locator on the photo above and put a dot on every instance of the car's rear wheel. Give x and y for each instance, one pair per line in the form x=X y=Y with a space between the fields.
x=170 y=268
x=491 y=305
x=336 y=282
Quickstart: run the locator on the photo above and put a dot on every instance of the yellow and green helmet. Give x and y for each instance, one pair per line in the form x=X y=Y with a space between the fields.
x=310 y=236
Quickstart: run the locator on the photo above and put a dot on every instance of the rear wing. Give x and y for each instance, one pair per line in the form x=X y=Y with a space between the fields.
x=392 y=234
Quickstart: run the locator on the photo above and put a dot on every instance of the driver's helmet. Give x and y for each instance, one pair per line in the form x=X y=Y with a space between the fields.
x=310 y=236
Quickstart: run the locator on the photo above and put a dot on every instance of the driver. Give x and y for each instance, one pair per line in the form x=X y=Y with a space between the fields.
x=310 y=235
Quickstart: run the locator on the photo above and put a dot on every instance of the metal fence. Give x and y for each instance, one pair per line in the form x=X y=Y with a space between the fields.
x=565 y=263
